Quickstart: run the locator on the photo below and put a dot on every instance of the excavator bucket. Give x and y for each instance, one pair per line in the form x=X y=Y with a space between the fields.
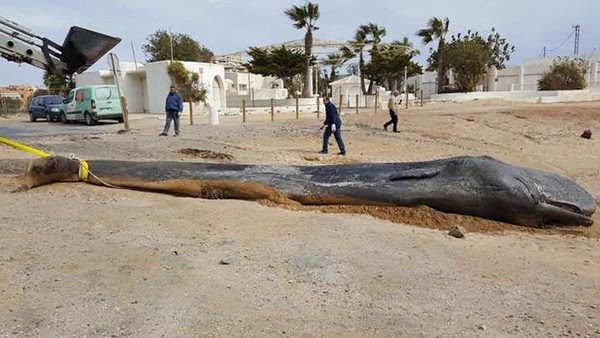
x=83 y=47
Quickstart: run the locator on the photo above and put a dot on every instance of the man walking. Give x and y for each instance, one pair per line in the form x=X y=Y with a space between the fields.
x=173 y=107
x=393 y=106
x=332 y=125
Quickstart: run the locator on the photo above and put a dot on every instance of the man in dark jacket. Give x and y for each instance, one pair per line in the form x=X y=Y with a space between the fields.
x=332 y=125
x=173 y=107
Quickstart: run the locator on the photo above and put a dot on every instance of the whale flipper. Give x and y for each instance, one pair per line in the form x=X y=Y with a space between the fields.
x=414 y=174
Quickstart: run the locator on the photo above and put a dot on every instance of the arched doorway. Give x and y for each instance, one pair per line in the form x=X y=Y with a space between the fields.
x=217 y=94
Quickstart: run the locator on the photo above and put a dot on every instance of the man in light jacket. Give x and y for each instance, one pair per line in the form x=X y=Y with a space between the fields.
x=393 y=106
x=173 y=107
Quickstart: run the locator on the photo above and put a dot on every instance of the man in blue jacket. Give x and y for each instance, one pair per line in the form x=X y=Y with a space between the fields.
x=332 y=125
x=173 y=107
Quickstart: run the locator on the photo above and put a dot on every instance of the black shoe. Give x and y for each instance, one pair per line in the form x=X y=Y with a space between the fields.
x=323 y=152
x=385 y=127
x=162 y=134
x=343 y=153
x=396 y=131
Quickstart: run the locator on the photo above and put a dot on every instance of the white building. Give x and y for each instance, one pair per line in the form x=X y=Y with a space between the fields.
x=517 y=78
x=526 y=75
x=348 y=89
x=426 y=82
x=146 y=85
x=248 y=86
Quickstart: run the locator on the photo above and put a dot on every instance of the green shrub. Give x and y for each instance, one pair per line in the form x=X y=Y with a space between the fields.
x=564 y=74
x=187 y=82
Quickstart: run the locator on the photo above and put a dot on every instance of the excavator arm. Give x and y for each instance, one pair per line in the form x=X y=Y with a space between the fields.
x=80 y=50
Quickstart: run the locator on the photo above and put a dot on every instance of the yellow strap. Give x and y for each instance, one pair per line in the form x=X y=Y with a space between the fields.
x=25 y=148
x=84 y=167
x=84 y=170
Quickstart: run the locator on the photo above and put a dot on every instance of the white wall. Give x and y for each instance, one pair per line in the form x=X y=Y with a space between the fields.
x=133 y=86
x=131 y=81
x=146 y=86
x=349 y=91
x=522 y=77
x=592 y=94
x=158 y=85
x=426 y=81
x=208 y=73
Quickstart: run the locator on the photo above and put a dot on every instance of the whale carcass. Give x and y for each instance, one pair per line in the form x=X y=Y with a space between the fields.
x=477 y=186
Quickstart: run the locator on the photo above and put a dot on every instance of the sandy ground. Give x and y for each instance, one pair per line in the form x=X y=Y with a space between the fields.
x=81 y=260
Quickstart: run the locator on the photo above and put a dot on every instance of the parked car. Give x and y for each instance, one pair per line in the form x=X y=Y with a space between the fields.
x=45 y=107
x=92 y=103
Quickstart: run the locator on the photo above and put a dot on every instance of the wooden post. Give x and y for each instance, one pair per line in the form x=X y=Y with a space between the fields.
x=191 y=114
x=297 y=108
x=272 y=110
x=356 y=104
x=421 y=97
x=376 y=101
x=318 y=108
x=341 y=102
x=125 y=113
x=113 y=62
x=252 y=98
x=366 y=101
x=244 y=111
x=407 y=99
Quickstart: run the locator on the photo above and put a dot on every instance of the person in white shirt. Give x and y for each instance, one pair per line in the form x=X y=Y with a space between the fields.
x=393 y=106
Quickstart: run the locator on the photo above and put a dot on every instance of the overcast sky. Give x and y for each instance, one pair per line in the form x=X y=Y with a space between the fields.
x=227 y=26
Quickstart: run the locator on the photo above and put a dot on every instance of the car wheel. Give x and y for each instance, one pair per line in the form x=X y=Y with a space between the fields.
x=48 y=118
x=63 y=118
x=32 y=117
x=120 y=120
x=89 y=120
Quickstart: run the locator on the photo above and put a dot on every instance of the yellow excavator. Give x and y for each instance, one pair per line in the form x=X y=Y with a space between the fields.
x=80 y=49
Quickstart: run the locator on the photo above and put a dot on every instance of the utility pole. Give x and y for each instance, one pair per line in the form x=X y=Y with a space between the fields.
x=171 y=42
x=115 y=67
x=577 y=32
x=134 y=58
x=544 y=53
x=406 y=85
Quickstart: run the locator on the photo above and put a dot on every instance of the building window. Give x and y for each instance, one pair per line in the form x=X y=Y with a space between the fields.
x=243 y=86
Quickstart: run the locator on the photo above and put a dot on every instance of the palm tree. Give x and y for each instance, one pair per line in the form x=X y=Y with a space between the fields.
x=436 y=30
x=335 y=61
x=305 y=17
x=399 y=54
x=357 y=47
x=375 y=35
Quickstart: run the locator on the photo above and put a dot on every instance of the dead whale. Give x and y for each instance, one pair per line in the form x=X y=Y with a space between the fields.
x=477 y=186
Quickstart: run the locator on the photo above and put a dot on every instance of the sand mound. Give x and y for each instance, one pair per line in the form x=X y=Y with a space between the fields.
x=206 y=154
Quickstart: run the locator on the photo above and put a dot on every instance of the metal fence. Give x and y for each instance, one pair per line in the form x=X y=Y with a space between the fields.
x=10 y=106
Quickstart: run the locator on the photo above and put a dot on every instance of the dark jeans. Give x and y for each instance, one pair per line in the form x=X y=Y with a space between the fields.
x=394 y=120
x=172 y=115
x=338 y=137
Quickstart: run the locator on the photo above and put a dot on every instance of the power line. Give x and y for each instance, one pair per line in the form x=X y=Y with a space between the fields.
x=562 y=43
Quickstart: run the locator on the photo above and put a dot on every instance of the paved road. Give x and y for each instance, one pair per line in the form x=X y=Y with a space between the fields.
x=16 y=129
